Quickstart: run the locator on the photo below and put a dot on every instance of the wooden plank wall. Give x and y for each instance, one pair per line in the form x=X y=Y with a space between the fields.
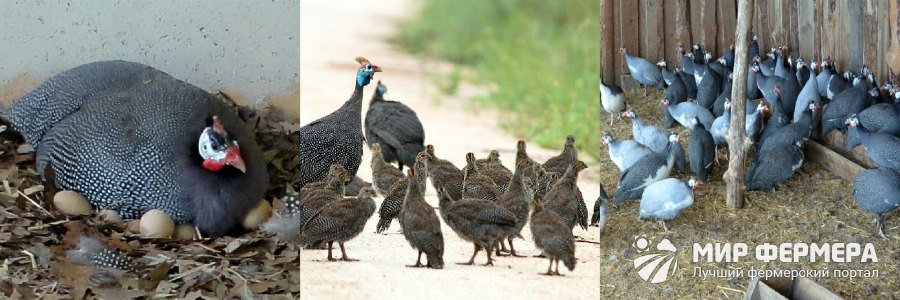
x=853 y=32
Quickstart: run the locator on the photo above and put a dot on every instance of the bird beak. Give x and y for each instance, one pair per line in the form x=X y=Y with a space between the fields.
x=376 y=68
x=234 y=159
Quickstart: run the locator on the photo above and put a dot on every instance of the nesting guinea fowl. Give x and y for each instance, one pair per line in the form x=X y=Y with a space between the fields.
x=336 y=138
x=396 y=127
x=165 y=144
x=613 y=99
x=552 y=237
x=481 y=222
x=421 y=226
x=666 y=199
x=643 y=71
x=566 y=200
x=339 y=221
x=877 y=191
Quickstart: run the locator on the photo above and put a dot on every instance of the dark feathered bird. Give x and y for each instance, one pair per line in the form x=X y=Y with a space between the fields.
x=421 y=226
x=599 y=217
x=444 y=174
x=339 y=221
x=336 y=138
x=530 y=164
x=561 y=162
x=396 y=127
x=477 y=185
x=516 y=200
x=132 y=138
x=877 y=191
x=312 y=201
x=336 y=175
x=393 y=199
x=566 y=200
x=493 y=168
x=775 y=166
x=701 y=150
x=552 y=237
x=481 y=222
x=384 y=175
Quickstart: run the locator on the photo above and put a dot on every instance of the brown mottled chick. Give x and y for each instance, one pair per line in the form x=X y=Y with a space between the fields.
x=516 y=199
x=552 y=237
x=393 y=201
x=339 y=221
x=421 y=226
x=477 y=185
x=493 y=168
x=561 y=162
x=566 y=200
x=483 y=223
x=384 y=175
x=444 y=174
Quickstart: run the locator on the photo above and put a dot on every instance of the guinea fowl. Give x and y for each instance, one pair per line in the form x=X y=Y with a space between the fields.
x=702 y=150
x=689 y=82
x=849 y=102
x=775 y=166
x=444 y=174
x=322 y=185
x=339 y=221
x=312 y=201
x=645 y=171
x=767 y=85
x=752 y=88
x=881 y=147
x=776 y=121
x=664 y=200
x=823 y=77
x=393 y=200
x=396 y=127
x=651 y=136
x=790 y=90
x=384 y=175
x=685 y=111
x=668 y=75
x=477 y=185
x=881 y=118
x=643 y=71
x=420 y=226
x=680 y=161
x=877 y=191
x=552 y=237
x=561 y=162
x=753 y=122
x=336 y=138
x=708 y=89
x=613 y=99
x=676 y=93
x=790 y=134
x=720 y=125
x=516 y=199
x=165 y=144
x=808 y=94
x=754 y=47
x=566 y=200
x=624 y=153
x=493 y=168
x=836 y=85
x=718 y=108
x=493 y=158
x=598 y=218
x=481 y=222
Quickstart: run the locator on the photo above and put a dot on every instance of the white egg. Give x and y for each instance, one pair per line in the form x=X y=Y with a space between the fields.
x=157 y=224
x=71 y=203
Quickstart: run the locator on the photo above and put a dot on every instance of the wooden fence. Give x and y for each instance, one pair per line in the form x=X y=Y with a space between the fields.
x=853 y=32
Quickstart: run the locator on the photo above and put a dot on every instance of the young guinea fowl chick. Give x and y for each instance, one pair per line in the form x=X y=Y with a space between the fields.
x=493 y=168
x=339 y=221
x=655 y=138
x=877 y=191
x=384 y=175
x=396 y=127
x=599 y=217
x=702 y=150
x=91 y=252
x=552 y=237
x=393 y=200
x=477 y=185
x=335 y=171
x=483 y=223
x=516 y=199
x=444 y=174
x=624 y=153
x=561 y=162
x=115 y=130
x=336 y=138
x=645 y=171
x=531 y=166
x=566 y=200
x=312 y=201
x=664 y=200
x=493 y=158
x=881 y=147
x=643 y=71
x=421 y=226
x=613 y=100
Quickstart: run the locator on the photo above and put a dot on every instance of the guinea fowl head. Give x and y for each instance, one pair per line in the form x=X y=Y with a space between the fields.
x=337 y=170
x=762 y=108
x=812 y=106
x=365 y=72
x=663 y=102
x=755 y=67
x=661 y=63
x=470 y=160
x=694 y=183
x=494 y=155
x=430 y=150
x=381 y=89
x=606 y=138
x=366 y=192
x=629 y=114
x=570 y=140
x=673 y=137
x=218 y=149
x=754 y=37
x=578 y=166
x=520 y=147
x=376 y=148
x=852 y=120
x=623 y=50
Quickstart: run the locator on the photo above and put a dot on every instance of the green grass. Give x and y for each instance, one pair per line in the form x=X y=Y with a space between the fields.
x=542 y=56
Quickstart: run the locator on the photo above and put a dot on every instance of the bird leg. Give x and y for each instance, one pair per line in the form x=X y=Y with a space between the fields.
x=557 y=268
x=490 y=261
x=344 y=253
x=330 y=244
x=418 y=262
x=611 y=118
x=645 y=90
x=549 y=268
x=472 y=259
x=663 y=223
x=879 y=226
x=512 y=250
x=501 y=249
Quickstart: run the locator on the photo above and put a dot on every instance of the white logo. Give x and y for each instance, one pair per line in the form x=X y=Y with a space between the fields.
x=656 y=267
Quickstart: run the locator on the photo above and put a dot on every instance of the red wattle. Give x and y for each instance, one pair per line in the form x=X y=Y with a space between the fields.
x=212 y=165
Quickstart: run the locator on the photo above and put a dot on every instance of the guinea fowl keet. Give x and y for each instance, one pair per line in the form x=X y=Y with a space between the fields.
x=421 y=226
x=384 y=175
x=552 y=237
x=477 y=185
x=483 y=223
x=115 y=130
x=516 y=199
x=561 y=162
x=566 y=200
x=444 y=174
x=396 y=127
x=393 y=199
x=339 y=221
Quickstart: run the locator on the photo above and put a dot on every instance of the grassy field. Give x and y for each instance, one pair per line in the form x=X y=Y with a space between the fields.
x=541 y=55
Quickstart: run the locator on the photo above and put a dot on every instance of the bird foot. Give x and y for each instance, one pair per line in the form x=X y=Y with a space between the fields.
x=466 y=263
x=490 y=263
x=548 y=273
x=332 y=259
x=516 y=255
x=539 y=255
x=417 y=265
x=500 y=254
x=348 y=259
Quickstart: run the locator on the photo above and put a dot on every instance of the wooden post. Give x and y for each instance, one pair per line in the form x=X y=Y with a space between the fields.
x=737 y=145
x=607 y=46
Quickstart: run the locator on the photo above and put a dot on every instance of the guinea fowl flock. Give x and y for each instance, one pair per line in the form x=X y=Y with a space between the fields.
x=798 y=98
x=483 y=202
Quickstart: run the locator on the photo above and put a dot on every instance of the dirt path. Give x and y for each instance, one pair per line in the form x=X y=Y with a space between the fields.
x=333 y=33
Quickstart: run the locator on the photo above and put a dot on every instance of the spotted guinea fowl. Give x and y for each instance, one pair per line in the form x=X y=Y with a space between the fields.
x=561 y=162
x=624 y=153
x=477 y=185
x=336 y=172
x=775 y=166
x=566 y=200
x=651 y=136
x=92 y=252
x=516 y=199
x=552 y=237
x=493 y=158
x=336 y=138
x=384 y=175
x=851 y=101
x=444 y=174
x=396 y=127
x=312 y=201
x=483 y=223
x=645 y=171
x=881 y=147
x=684 y=111
x=339 y=221
x=702 y=150
x=881 y=118
x=165 y=144
x=720 y=125
x=420 y=226
x=776 y=121
x=598 y=218
x=708 y=89
x=393 y=199
x=530 y=164
x=613 y=99
x=877 y=191
x=493 y=168
x=643 y=71
x=808 y=94
x=790 y=134
x=676 y=93
x=664 y=200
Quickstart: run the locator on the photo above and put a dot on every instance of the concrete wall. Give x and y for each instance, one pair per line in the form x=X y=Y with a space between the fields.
x=250 y=49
